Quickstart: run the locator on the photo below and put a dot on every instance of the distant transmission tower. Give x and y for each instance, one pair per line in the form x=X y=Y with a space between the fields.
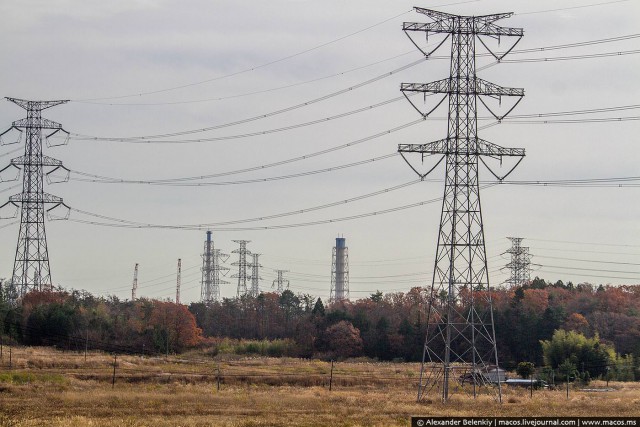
x=460 y=346
x=178 y=280
x=339 y=271
x=520 y=264
x=242 y=266
x=280 y=282
x=31 y=266
x=255 y=276
x=211 y=268
x=134 y=288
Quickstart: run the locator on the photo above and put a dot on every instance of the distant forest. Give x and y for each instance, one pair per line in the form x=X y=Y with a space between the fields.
x=383 y=326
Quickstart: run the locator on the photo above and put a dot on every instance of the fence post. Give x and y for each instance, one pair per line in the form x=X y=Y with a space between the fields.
x=9 y=357
x=218 y=377
x=113 y=379
x=331 y=377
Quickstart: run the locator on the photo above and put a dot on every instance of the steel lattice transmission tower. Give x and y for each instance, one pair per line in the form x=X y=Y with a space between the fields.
x=242 y=265
x=520 y=264
x=31 y=266
x=460 y=347
x=178 y=281
x=280 y=282
x=134 y=287
x=255 y=275
x=339 y=271
x=212 y=260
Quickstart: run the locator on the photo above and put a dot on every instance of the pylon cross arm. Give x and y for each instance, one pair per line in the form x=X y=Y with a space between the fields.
x=41 y=123
x=445 y=146
x=475 y=86
x=46 y=161
x=35 y=198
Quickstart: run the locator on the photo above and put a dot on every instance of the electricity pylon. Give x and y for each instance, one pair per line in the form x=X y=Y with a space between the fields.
x=280 y=282
x=520 y=263
x=134 y=286
x=31 y=266
x=178 y=281
x=242 y=266
x=460 y=347
x=255 y=275
x=212 y=260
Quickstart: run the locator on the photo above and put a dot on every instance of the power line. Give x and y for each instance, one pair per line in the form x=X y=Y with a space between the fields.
x=250 y=134
x=572 y=7
x=246 y=70
x=261 y=116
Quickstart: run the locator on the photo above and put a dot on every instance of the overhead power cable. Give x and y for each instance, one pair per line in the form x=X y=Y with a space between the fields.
x=267 y=165
x=261 y=116
x=287 y=86
x=572 y=7
x=247 y=70
x=274 y=216
x=247 y=181
x=129 y=224
x=250 y=134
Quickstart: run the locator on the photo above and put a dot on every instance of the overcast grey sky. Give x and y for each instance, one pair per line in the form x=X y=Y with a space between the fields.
x=198 y=64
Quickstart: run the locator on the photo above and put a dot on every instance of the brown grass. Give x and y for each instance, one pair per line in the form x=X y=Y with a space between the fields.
x=60 y=389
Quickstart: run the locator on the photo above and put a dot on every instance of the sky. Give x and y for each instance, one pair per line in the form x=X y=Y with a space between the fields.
x=142 y=68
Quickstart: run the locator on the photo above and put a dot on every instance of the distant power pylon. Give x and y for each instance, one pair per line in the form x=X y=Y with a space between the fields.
x=255 y=276
x=134 y=287
x=212 y=260
x=242 y=264
x=520 y=264
x=178 y=281
x=339 y=271
x=280 y=282
x=31 y=266
x=460 y=345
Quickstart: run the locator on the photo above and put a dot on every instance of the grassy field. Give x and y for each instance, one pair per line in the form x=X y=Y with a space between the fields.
x=45 y=387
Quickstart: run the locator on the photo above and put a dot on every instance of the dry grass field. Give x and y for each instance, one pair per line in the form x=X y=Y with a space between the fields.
x=46 y=387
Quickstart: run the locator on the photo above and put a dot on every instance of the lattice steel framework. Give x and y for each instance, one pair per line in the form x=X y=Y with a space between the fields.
x=178 y=280
x=520 y=264
x=339 y=271
x=134 y=286
x=242 y=265
x=460 y=348
x=212 y=268
x=255 y=275
x=31 y=269
x=280 y=282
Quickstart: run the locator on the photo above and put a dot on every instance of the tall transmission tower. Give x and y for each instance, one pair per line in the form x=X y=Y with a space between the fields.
x=520 y=264
x=134 y=288
x=255 y=276
x=178 y=280
x=460 y=344
x=31 y=266
x=212 y=260
x=242 y=266
x=280 y=282
x=339 y=271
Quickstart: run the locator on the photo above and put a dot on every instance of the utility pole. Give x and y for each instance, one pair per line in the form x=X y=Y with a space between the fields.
x=460 y=341
x=134 y=287
x=242 y=266
x=31 y=266
x=255 y=276
x=280 y=282
x=520 y=263
x=178 y=279
x=339 y=271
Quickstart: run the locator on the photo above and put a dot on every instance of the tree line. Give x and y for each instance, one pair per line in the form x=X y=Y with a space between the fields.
x=595 y=329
